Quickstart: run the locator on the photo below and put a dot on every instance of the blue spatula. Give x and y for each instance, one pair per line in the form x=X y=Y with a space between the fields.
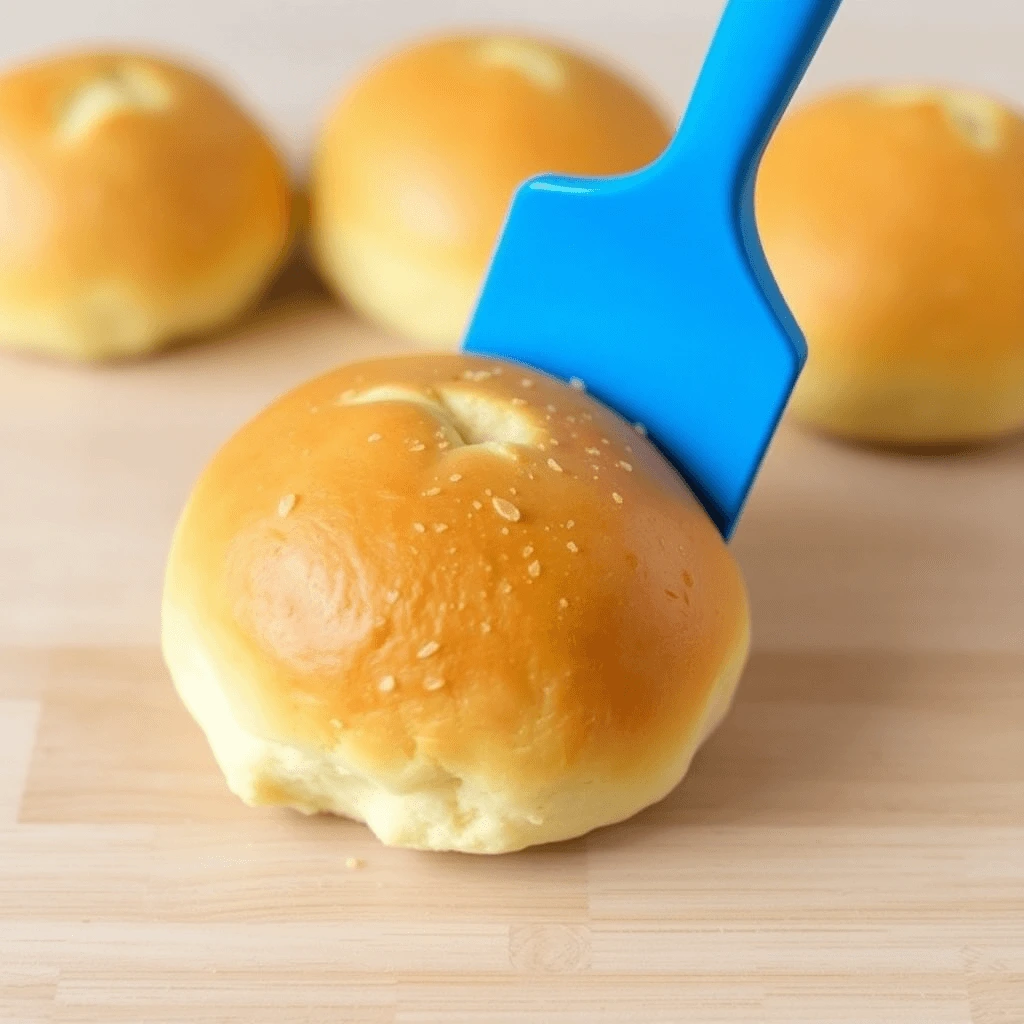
x=652 y=287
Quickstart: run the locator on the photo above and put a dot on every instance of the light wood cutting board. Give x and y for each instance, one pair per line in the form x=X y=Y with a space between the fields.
x=848 y=849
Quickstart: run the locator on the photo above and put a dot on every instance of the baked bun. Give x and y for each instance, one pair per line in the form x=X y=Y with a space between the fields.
x=138 y=204
x=417 y=164
x=454 y=599
x=893 y=220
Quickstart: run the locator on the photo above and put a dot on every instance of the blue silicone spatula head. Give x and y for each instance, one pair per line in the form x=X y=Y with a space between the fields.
x=652 y=287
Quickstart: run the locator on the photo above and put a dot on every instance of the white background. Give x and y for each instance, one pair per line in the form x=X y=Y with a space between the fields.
x=287 y=58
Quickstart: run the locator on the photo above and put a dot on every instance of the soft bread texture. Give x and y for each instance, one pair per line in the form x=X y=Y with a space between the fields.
x=417 y=164
x=138 y=204
x=454 y=599
x=893 y=220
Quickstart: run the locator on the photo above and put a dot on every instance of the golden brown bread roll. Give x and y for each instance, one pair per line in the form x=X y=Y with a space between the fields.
x=454 y=599
x=138 y=204
x=418 y=162
x=893 y=220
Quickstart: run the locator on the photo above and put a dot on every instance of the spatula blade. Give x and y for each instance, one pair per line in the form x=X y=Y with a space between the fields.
x=652 y=296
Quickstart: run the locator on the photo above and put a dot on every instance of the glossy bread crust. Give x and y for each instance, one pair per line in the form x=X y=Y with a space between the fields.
x=417 y=163
x=894 y=223
x=138 y=204
x=455 y=599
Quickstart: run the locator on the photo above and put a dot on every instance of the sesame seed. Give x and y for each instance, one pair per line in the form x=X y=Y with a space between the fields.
x=570 y=524
x=526 y=382
x=373 y=437
x=347 y=396
x=419 y=527
x=554 y=465
x=429 y=648
x=562 y=603
x=640 y=429
x=488 y=491
x=519 y=401
x=512 y=491
x=527 y=551
x=552 y=408
x=577 y=384
x=593 y=451
x=440 y=527
x=418 y=447
x=414 y=550
x=387 y=684
x=616 y=497
x=485 y=627
x=553 y=440
x=505 y=587
x=433 y=684
x=506 y=509
x=625 y=465
x=353 y=863
x=572 y=546
x=455 y=478
x=534 y=568
x=570 y=419
x=285 y=505
x=604 y=440
x=477 y=505
x=629 y=451
x=391 y=596
x=433 y=492
x=504 y=530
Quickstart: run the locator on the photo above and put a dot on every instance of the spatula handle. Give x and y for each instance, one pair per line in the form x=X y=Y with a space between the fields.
x=757 y=58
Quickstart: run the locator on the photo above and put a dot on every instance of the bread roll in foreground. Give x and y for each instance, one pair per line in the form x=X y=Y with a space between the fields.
x=138 y=204
x=893 y=220
x=454 y=599
x=417 y=164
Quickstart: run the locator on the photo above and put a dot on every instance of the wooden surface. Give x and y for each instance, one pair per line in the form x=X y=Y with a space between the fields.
x=848 y=849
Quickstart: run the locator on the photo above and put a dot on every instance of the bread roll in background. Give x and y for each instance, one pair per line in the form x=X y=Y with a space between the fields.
x=138 y=204
x=893 y=220
x=454 y=599
x=418 y=162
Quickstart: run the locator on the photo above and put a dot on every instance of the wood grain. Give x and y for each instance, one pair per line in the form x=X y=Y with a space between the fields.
x=848 y=849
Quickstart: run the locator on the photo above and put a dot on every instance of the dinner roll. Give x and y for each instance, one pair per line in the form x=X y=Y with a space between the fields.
x=417 y=164
x=138 y=204
x=454 y=599
x=893 y=220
